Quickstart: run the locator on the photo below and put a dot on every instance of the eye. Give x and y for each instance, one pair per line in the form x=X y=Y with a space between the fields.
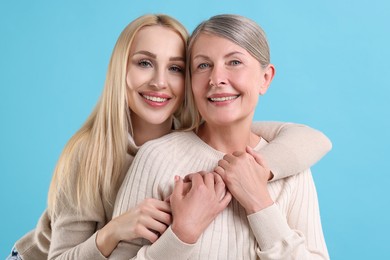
x=176 y=68
x=235 y=62
x=203 y=66
x=144 y=63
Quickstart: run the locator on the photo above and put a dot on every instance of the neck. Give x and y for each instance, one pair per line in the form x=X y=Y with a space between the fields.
x=230 y=138
x=144 y=131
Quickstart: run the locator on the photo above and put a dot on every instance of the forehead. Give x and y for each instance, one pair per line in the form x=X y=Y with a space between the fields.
x=153 y=36
x=207 y=44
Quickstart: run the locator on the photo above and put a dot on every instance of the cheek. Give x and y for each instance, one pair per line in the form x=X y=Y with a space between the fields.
x=178 y=84
x=136 y=79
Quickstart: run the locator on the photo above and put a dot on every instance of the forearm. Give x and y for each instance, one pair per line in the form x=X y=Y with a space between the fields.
x=292 y=147
x=74 y=235
x=168 y=246
x=84 y=250
x=276 y=240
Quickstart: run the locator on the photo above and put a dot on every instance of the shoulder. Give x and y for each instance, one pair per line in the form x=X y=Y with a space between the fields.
x=168 y=142
x=166 y=145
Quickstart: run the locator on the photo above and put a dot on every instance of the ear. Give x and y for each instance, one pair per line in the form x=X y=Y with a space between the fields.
x=269 y=73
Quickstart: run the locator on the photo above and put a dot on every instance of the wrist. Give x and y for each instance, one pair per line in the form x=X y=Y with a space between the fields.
x=106 y=240
x=259 y=205
x=186 y=236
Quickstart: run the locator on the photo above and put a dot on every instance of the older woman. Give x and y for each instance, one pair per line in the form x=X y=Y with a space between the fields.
x=226 y=209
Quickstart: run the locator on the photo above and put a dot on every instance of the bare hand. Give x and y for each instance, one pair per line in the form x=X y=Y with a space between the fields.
x=246 y=176
x=149 y=219
x=195 y=209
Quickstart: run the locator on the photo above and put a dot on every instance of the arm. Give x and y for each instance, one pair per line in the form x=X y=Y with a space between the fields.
x=74 y=235
x=299 y=236
x=292 y=147
x=295 y=235
x=36 y=243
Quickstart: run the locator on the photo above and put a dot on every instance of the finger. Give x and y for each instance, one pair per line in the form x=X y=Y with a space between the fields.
x=163 y=205
x=178 y=187
x=224 y=164
x=258 y=158
x=148 y=234
x=188 y=177
x=220 y=187
x=186 y=187
x=229 y=158
x=237 y=153
x=226 y=199
x=196 y=179
x=220 y=171
x=209 y=180
x=154 y=225
x=218 y=180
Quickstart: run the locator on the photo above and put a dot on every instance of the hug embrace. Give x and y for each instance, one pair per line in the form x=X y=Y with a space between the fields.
x=170 y=164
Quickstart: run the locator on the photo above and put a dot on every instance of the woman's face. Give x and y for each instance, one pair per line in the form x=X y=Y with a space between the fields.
x=155 y=74
x=226 y=80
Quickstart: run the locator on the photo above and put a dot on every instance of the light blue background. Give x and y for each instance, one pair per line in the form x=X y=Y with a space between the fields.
x=332 y=61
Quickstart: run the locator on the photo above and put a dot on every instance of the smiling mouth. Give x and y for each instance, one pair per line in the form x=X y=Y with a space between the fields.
x=222 y=99
x=155 y=99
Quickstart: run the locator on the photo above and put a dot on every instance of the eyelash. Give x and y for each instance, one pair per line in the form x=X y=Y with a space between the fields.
x=147 y=63
x=235 y=62
x=176 y=68
x=206 y=65
x=203 y=66
x=144 y=63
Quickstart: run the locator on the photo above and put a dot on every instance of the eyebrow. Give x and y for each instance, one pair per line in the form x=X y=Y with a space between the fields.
x=225 y=56
x=152 y=55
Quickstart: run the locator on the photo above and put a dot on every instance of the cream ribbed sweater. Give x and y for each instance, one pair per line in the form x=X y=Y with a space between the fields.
x=72 y=236
x=289 y=229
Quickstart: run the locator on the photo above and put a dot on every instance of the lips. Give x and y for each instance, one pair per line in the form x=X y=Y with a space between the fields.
x=222 y=97
x=155 y=99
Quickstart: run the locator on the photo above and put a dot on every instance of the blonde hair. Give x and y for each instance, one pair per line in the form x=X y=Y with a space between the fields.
x=240 y=30
x=91 y=164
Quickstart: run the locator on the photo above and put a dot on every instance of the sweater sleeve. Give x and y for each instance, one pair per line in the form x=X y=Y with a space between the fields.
x=168 y=246
x=299 y=236
x=36 y=243
x=292 y=147
x=74 y=237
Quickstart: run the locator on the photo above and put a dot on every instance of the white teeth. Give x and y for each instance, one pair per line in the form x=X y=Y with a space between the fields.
x=221 y=99
x=155 y=99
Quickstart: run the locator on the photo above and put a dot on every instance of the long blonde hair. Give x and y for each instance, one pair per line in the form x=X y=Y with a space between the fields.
x=91 y=164
x=244 y=32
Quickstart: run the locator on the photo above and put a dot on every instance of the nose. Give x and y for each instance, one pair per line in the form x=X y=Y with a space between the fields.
x=218 y=77
x=159 y=79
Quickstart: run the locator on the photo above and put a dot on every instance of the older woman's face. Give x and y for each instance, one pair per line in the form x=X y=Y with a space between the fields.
x=226 y=80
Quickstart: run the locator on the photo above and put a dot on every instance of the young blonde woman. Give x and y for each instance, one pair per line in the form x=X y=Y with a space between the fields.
x=143 y=95
x=228 y=210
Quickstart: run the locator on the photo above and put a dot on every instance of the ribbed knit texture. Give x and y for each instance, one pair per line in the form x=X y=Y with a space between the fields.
x=289 y=229
x=72 y=235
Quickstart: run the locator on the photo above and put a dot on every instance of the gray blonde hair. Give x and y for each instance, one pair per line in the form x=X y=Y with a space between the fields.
x=240 y=30
x=92 y=163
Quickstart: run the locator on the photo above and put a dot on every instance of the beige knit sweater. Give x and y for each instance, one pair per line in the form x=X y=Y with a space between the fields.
x=293 y=149
x=289 y=229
